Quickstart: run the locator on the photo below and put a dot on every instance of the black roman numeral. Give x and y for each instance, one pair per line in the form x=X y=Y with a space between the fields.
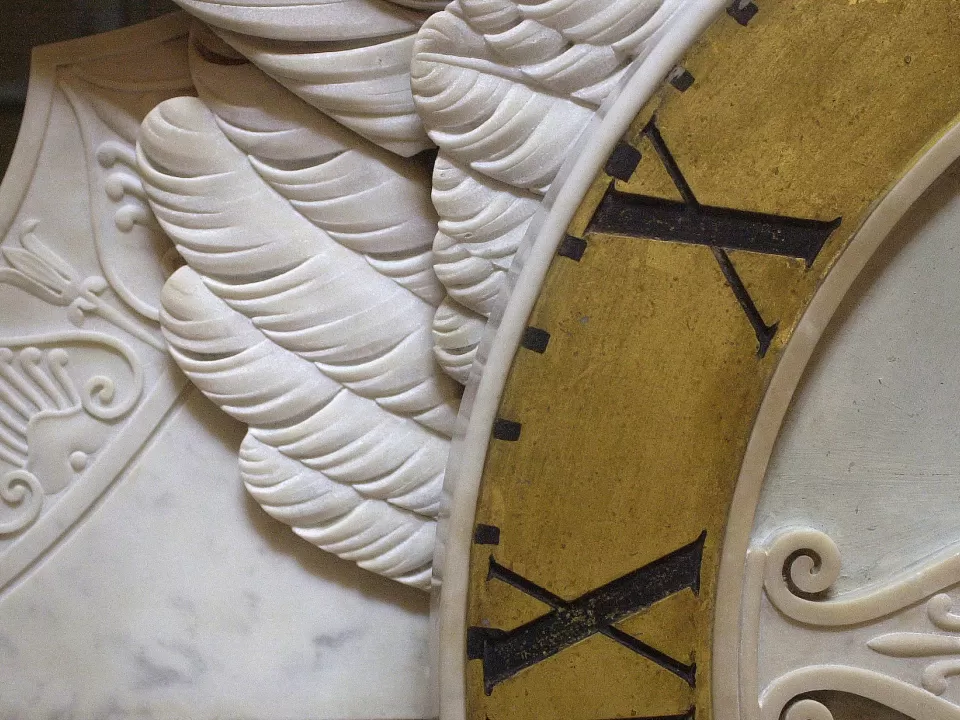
x=720 y=229
x=505 y=653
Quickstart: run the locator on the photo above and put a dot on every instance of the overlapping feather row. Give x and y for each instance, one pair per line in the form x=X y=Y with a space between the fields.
x=505 y=89
x=320 y=288
x=305 y=309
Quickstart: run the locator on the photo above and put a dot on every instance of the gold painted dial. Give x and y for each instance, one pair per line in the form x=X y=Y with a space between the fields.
x=626 y=415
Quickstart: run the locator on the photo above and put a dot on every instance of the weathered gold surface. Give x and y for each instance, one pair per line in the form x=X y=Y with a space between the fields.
x=635 y=419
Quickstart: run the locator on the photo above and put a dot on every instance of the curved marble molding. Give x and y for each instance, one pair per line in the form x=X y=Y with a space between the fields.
x=308 y=250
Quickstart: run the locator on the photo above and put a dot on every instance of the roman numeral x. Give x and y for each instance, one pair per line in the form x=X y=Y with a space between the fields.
x=720 y=229
x=505 y=653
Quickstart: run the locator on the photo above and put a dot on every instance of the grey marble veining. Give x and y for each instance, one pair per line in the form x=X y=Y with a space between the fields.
x=178 y=597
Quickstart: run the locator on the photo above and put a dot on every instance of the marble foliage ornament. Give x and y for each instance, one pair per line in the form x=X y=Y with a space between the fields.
x=894 y=642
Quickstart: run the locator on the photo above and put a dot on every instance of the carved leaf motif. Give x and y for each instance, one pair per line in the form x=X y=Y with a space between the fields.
x=505 y=88
x=914 y=644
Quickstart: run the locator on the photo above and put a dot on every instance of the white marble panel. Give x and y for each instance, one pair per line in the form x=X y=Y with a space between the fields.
x=178 y=597
x=869 y=452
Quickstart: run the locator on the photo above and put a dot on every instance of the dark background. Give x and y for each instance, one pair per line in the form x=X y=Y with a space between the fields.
x=25 y=23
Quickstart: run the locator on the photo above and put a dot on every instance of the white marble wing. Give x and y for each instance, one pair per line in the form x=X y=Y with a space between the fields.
x=321 y=291
x=312 y=20
x=505 y=88
x=350 y=59
x=306 y=308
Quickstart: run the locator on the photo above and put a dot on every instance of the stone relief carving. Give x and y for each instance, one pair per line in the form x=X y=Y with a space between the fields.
x=321 y=287
x=505 y=89
x=308 y=251
x=351 y=61
x=55 y=418
x=894 y=642
x=333 y=85
x=40 y=271
x=82 y=361
x=122 y=579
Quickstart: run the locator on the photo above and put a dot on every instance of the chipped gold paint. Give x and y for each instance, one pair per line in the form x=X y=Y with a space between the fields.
x=635 y=420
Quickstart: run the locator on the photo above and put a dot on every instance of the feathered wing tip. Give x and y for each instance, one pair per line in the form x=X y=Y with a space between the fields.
x=350 y=59
x=346 y=474
x=379 y=537
x=306 y=292
x=456 y=335
x=505 y=88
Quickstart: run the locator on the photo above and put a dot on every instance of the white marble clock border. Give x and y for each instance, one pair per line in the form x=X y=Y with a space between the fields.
x=728 y=635
x=503 y=333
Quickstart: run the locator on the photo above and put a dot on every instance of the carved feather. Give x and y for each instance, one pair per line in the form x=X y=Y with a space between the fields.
x=306 y=308
x=308 y=20
x=483 y=224
x=364 y=197
x=346 y=474
x=363 y=84
x=456 y=334
x=505 y=88
x=347 y=58
x=483 y=114
x=305 y=291
x=377 y=536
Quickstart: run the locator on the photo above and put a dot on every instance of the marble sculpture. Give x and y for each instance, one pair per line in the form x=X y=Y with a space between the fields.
x=300 y=247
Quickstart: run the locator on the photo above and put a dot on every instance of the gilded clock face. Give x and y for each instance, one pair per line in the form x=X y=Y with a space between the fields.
x=694 y=260
x=617 y=564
